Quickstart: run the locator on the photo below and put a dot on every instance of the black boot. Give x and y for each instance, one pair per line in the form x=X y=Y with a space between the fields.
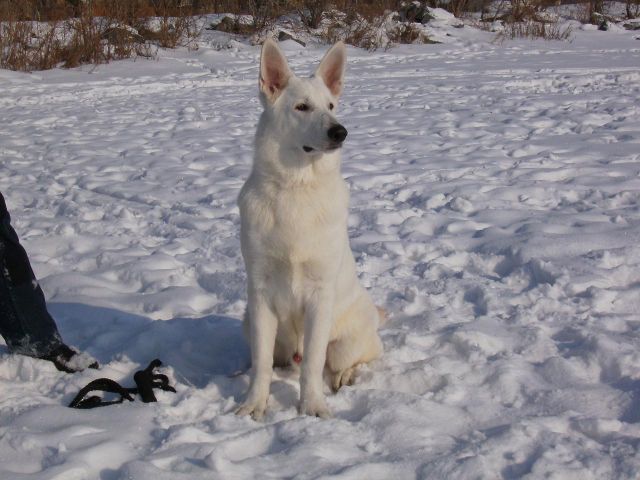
x=67 y=359
x=25 y=323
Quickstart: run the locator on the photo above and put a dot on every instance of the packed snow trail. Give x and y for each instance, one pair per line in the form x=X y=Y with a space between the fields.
x=494 y=192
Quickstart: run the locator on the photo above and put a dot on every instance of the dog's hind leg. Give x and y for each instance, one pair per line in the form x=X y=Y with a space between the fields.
x=345 y=354
x=358 y=344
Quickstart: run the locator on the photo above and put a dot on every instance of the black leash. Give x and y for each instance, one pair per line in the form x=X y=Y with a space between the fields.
x=146 y=380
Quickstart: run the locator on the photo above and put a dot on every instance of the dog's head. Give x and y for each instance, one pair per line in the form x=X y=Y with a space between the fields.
x=303 y=109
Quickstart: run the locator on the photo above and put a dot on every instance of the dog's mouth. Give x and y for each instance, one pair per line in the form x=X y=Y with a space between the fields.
x=328 y=148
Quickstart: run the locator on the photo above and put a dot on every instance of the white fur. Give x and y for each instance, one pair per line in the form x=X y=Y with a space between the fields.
x=303 y=291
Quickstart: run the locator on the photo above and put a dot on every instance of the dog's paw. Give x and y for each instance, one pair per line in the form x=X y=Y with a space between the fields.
x=316 y=407
x=254 y=408
x=345 y=377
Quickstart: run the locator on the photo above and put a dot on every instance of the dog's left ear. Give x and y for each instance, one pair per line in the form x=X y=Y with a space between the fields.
x=331 y=68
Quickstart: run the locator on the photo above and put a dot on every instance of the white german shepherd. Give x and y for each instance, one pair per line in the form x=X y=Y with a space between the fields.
x=305 y=302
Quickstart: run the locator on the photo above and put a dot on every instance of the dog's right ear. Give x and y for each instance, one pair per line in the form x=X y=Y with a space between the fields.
x=274 y=71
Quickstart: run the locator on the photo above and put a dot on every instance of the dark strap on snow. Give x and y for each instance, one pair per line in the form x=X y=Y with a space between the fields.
x=104 y=385
x=145 y=380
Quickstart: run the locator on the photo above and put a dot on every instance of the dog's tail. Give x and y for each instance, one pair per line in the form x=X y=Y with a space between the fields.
x=382 y=316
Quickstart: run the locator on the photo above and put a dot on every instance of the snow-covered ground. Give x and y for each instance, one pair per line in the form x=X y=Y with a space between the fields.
x=495 y=215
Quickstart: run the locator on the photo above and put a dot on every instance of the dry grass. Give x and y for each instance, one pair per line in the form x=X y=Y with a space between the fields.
x=359 y=32
x=43 y=34
x=534 y=30
x=354 y=30
x=311 y=12
x=525 y=19
x=371 y=33
x=632 y=8
x=407 y=33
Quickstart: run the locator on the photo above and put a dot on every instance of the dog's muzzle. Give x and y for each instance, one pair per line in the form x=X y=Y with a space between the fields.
x=336 y=134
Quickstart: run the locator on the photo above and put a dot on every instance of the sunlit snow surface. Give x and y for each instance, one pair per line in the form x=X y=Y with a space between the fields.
x=495 y=213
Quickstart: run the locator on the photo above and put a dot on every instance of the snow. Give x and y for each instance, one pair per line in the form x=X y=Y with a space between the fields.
x=495 y=192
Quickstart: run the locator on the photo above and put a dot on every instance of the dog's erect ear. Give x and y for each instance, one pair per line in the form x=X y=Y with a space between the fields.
x=274 y=71
x=331 y=68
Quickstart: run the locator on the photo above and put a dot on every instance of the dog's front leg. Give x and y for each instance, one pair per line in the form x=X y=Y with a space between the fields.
x=317 y=328
x=263 y=325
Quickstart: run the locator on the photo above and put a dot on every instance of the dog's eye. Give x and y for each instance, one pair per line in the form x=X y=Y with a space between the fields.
x=302 y=107
x=331 y=106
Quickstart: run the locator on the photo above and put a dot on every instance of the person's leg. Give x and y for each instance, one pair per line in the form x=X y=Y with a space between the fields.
x=25 y=324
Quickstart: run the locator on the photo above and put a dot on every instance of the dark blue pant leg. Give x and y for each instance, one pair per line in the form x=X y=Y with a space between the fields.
x=25 y=324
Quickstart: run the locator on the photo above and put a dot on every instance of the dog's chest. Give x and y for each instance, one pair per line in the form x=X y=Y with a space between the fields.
x=298 y=225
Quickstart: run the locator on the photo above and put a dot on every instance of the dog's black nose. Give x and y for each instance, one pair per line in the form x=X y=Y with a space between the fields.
x=337 y=133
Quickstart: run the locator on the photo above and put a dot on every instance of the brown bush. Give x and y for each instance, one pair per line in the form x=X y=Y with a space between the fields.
x=266 y=12
x=405 y=33
x=534 y=30
x=370 y=10
x=311 y=12
x=172 y=30
x=42 y=34
x=356 y=31
x=371 y=33
x=85 y=45
x=28 y=45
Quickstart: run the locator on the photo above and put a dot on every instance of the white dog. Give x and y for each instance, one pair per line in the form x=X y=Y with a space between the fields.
x=304 y=300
